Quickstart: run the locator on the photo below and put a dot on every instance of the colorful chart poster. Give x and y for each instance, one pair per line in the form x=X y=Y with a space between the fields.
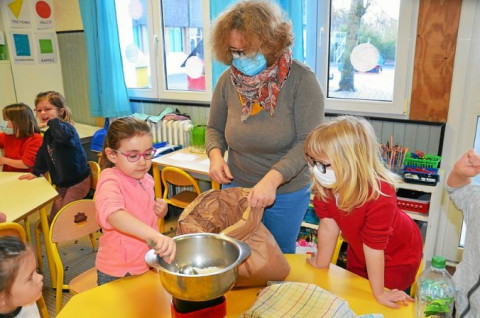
x=47 y=48
x=22 y=47
x=18 y=12
x=44 y=12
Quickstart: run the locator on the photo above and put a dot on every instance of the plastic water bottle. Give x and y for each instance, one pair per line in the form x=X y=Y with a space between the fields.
x=435 y=294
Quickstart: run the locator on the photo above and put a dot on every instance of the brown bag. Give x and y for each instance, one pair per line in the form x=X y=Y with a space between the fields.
x=227 y=212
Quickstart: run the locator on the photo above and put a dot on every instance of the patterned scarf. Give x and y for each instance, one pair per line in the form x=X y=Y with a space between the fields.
x=264 y=87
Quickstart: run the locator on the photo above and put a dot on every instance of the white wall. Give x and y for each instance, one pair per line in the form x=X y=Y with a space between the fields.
x=30 y=79
x=462 y=118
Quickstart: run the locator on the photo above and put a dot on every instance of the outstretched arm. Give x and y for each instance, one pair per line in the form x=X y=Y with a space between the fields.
x=129 y=224
x=466 y=167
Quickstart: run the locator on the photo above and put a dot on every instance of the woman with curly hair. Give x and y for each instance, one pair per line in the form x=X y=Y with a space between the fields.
x=262 y=109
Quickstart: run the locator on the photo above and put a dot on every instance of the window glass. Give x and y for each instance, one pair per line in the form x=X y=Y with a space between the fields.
x=134 y=43
x=363 y=40
x=183 y=45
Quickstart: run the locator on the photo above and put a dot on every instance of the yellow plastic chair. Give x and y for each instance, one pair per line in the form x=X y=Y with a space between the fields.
x=176 y=177
x=15 y=229
x=413 y=288
x=75 y=220
x=179 y=178
x=94 y=175
x=336 y=251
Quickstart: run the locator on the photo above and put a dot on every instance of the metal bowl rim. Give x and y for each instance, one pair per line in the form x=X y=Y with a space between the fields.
x=215 y=235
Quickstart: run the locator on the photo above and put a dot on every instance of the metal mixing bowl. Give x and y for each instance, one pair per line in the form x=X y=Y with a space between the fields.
x=203 y=250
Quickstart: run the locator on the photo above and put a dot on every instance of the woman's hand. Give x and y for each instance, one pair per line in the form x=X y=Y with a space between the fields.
x=28 y=176
x=165 y=247
x=219 y=170
x=264 y=192
x=160 y=208
x=392 y=298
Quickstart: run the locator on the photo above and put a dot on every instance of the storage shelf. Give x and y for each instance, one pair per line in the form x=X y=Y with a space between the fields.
x=310 y=225
x=417 y=216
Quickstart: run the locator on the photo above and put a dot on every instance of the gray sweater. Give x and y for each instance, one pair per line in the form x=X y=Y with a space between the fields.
x=262 y=142
x=467 y=274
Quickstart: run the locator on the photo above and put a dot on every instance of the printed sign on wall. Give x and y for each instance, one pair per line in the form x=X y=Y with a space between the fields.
x=19 y=15
x=47 y=48
x=44 y=13
x=22 y=47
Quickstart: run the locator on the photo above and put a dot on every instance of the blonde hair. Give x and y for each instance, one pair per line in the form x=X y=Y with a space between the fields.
x=262 y=23
x=353 y=150
x=57 y=100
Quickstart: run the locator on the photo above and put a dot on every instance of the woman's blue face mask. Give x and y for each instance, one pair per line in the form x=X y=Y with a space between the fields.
x=249 y=65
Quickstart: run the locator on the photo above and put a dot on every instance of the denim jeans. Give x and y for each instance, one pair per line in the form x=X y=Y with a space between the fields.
x=105 y=278
x=284 y=217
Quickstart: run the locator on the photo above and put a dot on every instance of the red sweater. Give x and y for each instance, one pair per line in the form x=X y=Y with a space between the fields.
x=24 y=149
x=380 y=225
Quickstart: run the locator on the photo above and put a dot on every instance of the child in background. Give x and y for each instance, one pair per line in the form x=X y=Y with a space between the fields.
x=355 y=194
x=466 y=196
x=20 y=284
x=62 y=153
x=126 y=206
x=20 y=138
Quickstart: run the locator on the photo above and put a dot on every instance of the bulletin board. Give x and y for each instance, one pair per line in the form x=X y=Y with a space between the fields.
x=29 y=30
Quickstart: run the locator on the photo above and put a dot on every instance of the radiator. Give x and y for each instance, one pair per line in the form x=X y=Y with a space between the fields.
x=174 y=132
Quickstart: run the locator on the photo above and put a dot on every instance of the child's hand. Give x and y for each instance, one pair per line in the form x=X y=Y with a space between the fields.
x=165 y=247
x=160 y=208
x=391 y=298
x=2 y=159
x=28 y=176
x=3 y=217
x=312 y=260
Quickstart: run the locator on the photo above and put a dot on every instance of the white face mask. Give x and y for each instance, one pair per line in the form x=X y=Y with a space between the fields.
x=7 y=130
x=325 y=179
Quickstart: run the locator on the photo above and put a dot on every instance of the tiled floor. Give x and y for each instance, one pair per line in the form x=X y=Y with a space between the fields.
x=77 y=257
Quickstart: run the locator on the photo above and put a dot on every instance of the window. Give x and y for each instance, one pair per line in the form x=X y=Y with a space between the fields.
x=362 y=57
x=162 y=48
x=364 y=62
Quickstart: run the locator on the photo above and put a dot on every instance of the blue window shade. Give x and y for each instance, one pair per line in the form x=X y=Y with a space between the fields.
x=108 y=93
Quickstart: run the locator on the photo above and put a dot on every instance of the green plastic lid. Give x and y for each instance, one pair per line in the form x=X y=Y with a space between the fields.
x=439 y=262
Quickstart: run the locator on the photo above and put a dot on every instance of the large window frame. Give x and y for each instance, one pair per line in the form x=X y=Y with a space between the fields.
x=400 y=105
x=316 y=55
x=159 y=90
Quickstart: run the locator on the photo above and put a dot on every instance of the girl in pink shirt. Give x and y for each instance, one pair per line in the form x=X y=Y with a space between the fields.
x=126 y=206
x=355 y=194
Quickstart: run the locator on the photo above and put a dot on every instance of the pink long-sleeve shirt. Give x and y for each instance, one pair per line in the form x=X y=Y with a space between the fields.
x=118 y=252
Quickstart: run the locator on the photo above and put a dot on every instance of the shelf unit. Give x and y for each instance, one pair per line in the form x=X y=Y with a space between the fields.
x=433 y=215
x=431 y=218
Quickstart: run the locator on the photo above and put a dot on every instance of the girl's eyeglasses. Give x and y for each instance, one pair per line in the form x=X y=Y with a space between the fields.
x=135 y=156
x=320 y=165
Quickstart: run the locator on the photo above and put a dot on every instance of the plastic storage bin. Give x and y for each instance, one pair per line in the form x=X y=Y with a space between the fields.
x=413 y=201
x=430 y=161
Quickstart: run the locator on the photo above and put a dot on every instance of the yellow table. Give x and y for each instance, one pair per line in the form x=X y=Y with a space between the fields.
x=144 y=296
x=20 y=198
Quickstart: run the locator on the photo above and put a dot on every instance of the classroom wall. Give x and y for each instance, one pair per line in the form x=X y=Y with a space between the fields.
x=32 y=76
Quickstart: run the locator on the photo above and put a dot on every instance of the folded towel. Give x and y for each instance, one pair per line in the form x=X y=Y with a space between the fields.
x=291 y=299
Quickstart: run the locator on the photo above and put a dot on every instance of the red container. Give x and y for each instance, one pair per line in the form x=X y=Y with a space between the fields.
x=413 y=205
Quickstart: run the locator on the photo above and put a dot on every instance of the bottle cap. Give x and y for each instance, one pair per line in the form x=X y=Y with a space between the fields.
x=439 y=262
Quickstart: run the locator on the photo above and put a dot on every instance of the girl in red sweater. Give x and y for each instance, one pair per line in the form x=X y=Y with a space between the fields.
x=355 y=194
x=20 y=138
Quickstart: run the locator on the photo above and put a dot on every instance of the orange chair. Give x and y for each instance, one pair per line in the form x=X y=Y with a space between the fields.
x=179 y=178
x=75 y=220
x=15 y=229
